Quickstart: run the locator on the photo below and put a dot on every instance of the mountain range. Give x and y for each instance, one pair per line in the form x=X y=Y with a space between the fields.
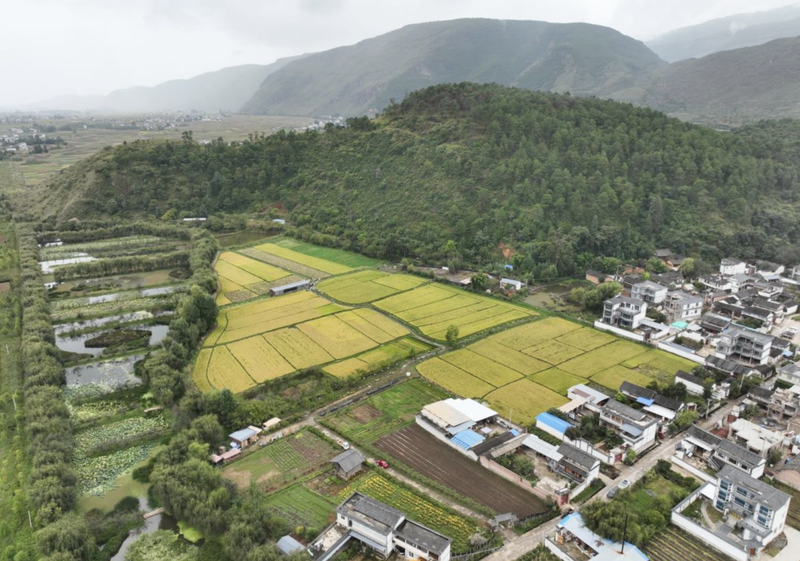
x=732 y=82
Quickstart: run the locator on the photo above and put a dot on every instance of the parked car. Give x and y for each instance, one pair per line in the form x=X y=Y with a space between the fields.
x=611 y=493
x=624 y=484
x=382 y=464
x=344 y=445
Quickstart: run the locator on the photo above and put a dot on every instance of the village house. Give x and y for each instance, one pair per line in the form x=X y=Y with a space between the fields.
x=790 y=373
x=682 y=306
x=573 y=541
x=753 y=514
x=744 y=345
x=730 y=266
x=576 y=465
x=718 y=452
x=754 y=437
x=381 y=528
x=714 y=323
x=663 y=408
x=696 y=385
x=637 y=429
x=624 y=311
x=649 y=291
x=595 y=277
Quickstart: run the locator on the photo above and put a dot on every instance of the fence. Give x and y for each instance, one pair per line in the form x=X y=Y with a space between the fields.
x=514 y=478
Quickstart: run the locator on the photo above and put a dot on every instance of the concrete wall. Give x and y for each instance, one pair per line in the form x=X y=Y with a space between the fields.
x=709 y=537
x=553 y=548
x=700 y=474
x=618 y=331
x=665 y=346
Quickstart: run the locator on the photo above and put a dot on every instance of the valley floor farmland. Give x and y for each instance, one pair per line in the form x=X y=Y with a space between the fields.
x=528 y=369
x=269 y=338
x=416 y=448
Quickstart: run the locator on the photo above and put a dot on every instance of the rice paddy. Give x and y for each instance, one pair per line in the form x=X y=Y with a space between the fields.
x=528 y=369
x=433 y=308
x=242 y=278
x=262 y=340
x=367 y=286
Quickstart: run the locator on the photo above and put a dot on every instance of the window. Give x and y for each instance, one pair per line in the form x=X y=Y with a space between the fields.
x=765 y=511
x=763 y=521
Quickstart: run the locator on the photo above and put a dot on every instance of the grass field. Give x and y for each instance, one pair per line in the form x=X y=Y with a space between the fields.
x=385 y=412
x=300 y=506
x=281 y=461
x=318 y=263
x=433 y=308
x=258 y=341
x=367 y=286
x=552 y=355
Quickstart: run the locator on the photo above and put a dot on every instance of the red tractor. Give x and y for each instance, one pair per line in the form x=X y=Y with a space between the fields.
x=382 y=464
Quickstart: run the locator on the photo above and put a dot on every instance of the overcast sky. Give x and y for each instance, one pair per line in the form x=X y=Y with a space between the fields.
x=55 y=47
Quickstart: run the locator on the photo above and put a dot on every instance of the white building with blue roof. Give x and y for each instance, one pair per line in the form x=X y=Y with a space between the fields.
x=573 y=541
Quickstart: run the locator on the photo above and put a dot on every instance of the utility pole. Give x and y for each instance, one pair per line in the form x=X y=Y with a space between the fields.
x=624 y=534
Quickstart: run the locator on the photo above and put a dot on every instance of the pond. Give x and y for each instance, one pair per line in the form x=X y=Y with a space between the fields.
x=156 y=522
x=48 y=266
x=99 y=322
x=107 y=375
x=159 y=291
x=77 y=344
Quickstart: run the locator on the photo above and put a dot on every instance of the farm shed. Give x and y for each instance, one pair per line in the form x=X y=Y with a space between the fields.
x=456 y=415
x=245 y=437
x=225 y=457
x=511 y=283
x=348 y=463
x=288 y=545
x=467 y=439
x=552 y=425
x=287 y=288
x=274 y=421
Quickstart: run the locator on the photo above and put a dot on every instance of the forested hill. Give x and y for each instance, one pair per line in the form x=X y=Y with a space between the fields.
x=559 y=179
x=580 y=58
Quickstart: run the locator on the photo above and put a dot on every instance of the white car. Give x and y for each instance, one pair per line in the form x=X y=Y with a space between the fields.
x=624 y=484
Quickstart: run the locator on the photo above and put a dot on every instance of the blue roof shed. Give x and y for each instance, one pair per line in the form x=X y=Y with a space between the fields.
x=467 y=439
x=553 y=422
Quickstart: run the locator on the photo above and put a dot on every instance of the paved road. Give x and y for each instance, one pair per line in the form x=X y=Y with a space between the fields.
x=520 y=545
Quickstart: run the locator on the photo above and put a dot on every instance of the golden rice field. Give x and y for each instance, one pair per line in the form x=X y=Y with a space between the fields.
x=262 y=340
x=376 y=359
x=433 y=308
x=242 y=277
x=529 y=368
x=367 y=286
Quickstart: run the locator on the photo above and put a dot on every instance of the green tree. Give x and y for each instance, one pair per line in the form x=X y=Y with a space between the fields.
x=452 y=335
x=479 y=281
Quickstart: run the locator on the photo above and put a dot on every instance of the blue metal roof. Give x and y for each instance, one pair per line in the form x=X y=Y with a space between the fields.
x=645 y=401
x=467 y=439
x=243 y=434
x=515 y=432
x=680 y=325
x=553 y=422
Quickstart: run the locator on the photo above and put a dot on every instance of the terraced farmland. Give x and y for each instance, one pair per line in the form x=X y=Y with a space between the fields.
x=258 y=341
x=433 y=308
x=528 y=369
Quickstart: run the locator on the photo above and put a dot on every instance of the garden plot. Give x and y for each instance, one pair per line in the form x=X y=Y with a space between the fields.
x=367 y=286
x=282 y=461
x=433 y=308
x=419 y=450
x=415 y=506
x=300 y=506
x=674 y=544
x=384 y=412
x=259 y=341
x=115 y=247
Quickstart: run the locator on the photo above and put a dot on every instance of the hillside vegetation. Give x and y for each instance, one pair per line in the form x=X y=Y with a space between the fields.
x=731 y=32
x=731 y=87
x=580 y=58
x=558 y=179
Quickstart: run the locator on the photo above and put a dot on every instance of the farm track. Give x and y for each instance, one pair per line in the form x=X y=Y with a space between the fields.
x=421 y=451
